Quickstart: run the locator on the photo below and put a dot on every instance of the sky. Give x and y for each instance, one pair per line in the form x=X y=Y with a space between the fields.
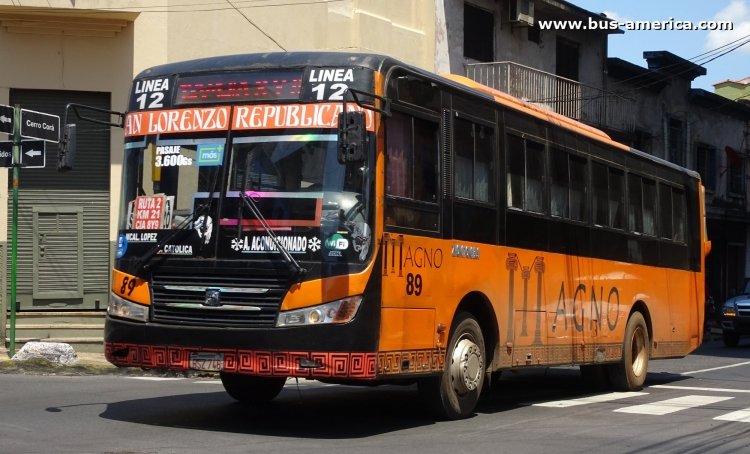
x=696 y=46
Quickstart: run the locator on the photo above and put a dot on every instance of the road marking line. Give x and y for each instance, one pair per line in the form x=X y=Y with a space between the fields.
x=588 y=400
x=672 y=405
x=715 y=368
x=738 y=416
x=212 y=382
x=157 y=378
x=697 y=388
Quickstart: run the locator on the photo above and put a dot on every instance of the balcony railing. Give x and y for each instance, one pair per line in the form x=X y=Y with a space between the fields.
x=573 y=99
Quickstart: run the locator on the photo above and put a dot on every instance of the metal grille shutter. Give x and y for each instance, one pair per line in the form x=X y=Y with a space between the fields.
x=85 y=187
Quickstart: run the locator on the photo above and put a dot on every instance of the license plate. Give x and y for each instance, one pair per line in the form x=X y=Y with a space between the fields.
x=207 y=361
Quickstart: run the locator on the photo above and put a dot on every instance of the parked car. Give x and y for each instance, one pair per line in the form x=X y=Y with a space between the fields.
x=734 y=317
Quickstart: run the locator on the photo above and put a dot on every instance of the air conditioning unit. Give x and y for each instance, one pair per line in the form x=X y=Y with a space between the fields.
x=522 y=12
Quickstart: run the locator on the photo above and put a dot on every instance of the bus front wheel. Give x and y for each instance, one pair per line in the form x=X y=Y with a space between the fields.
x=630 y=373
x=252 y=390
x=455 y=393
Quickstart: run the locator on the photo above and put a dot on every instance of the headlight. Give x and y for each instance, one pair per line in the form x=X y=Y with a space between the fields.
x=122 y=308
x=729 y=309
x=340 y=311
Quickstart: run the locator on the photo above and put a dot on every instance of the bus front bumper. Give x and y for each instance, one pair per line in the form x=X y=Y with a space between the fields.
x=336 y=352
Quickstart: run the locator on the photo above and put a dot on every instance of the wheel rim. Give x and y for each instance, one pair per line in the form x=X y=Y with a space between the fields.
x=638 y=351
x=467 y=366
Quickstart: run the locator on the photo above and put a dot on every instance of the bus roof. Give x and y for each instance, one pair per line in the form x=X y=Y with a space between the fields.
x=379 y=62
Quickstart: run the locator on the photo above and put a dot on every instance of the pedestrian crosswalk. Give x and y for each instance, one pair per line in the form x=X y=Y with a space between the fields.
x=660 y=407
x=667 y=406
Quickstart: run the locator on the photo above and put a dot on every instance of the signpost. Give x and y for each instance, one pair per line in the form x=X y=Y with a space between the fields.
x=30 y=154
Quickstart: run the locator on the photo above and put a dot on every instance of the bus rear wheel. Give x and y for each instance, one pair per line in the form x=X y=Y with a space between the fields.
x=454 y=394
x=630 y=373
x=252 y=390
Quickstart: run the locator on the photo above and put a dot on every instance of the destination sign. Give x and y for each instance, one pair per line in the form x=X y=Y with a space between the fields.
x=298 y=84
x=250 y=86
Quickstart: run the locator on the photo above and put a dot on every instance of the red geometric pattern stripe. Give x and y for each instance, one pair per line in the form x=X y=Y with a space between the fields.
x=352 y=365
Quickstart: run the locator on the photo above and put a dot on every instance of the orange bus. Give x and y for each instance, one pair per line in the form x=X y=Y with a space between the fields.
x=353 y=219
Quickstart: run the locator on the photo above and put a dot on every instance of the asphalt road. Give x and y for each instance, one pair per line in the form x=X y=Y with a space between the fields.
x=697 y=404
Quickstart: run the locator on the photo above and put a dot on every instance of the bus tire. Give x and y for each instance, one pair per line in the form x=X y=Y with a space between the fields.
x=454 y=394
x=249 y=389
x=630 y=373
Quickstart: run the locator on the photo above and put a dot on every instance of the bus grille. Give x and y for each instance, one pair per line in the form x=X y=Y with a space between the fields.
x=248 y=298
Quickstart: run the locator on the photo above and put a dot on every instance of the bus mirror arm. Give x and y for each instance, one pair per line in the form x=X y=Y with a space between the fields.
x=352 y=125
x=69 y=142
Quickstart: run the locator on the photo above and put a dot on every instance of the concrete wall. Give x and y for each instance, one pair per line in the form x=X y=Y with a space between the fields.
x=512 y=43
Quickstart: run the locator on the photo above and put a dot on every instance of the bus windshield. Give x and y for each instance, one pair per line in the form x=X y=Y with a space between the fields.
x=318 y=208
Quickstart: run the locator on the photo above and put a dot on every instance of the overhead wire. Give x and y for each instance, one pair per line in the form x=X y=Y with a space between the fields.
x=256 y=26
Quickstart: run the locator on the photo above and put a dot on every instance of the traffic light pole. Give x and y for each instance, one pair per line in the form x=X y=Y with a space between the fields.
x=14 y=230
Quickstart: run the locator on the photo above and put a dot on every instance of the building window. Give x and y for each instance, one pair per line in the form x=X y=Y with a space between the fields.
x=705 y=164
x=735 y=173
x=534 y=34
x=479 y=33
x=567 y=58
x=676 y=141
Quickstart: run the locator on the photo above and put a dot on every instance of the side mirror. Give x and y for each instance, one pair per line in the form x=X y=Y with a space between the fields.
x=352 y=136
x=67 y=154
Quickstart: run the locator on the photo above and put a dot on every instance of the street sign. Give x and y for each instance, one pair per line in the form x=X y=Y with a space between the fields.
x=6 y=154
x=40 y=125
x=33 y=154
x=6 y=119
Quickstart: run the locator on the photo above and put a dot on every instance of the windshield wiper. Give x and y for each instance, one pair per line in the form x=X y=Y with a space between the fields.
x=143 y=261
x=297 y=270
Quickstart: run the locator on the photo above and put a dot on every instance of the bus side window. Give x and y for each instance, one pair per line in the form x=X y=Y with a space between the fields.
x=534 y=177
x=678 y=215
x=526 y=176
x=559 y=179
x=635 y=204
x=411 y=184
x=600 y=195
x=665 y=211
x=649 y=207
x=617 y=199
x=474 y=164
x=516 y=171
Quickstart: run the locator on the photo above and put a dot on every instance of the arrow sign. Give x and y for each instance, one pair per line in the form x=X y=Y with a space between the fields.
x=40 y=125
x=33 y=154
x=6 y=119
